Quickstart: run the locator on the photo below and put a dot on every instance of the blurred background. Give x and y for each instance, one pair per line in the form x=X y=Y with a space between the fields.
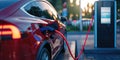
x=79 y=13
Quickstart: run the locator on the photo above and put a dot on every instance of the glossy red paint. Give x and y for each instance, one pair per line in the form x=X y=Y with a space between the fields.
x=30 y=37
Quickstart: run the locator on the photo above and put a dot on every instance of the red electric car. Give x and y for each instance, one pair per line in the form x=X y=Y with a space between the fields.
x=27 y=30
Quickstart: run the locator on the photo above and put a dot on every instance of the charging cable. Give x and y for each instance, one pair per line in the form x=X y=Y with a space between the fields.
x=83 y=46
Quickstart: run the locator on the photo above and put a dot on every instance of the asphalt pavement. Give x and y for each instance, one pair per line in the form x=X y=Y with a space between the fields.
x=79 y=37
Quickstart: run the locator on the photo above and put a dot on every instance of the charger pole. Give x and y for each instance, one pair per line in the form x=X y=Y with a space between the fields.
x=81 y=27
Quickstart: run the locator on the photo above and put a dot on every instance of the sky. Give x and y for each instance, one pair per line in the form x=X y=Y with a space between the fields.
x=85 y=2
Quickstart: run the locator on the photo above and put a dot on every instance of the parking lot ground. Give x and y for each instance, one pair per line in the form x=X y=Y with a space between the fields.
x=79 y=38
x=91 y=53
x=66 y=55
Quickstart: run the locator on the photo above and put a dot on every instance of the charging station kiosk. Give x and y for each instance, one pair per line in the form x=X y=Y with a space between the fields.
x=105 y=29
x=105 y=24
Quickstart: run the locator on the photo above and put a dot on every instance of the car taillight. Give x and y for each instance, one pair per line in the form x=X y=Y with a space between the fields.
x=10 y=30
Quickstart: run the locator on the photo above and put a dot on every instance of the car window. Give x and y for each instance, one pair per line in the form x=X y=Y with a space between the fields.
x=41 y=9
x=6 y=3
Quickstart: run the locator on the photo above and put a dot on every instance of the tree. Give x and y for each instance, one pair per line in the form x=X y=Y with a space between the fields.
x=87 y=13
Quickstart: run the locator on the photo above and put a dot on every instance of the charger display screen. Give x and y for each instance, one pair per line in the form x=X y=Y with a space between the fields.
x=105 y=15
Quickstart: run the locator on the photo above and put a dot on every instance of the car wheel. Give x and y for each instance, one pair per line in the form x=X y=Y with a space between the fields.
x=63 y=48
x=44 y=54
